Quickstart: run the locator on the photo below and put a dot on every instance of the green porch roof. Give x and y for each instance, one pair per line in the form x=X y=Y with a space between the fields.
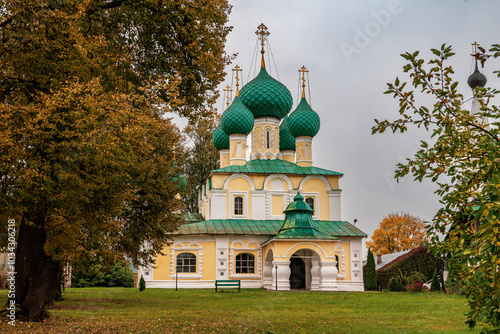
x=263 y=227
x=260 y=166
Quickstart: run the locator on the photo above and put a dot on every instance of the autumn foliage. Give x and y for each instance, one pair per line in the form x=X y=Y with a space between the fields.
x=397 y=232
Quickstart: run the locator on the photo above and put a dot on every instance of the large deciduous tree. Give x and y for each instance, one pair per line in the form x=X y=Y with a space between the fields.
x=87 y=160
x=396 y=233
x=464 y=161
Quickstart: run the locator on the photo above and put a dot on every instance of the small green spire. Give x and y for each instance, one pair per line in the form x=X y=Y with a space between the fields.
x=299 y=223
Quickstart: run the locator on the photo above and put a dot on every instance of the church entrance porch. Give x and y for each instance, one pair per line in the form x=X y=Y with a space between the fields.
x=304 y=270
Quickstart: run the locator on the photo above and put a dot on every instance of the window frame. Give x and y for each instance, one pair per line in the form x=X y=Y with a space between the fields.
x=192 y=268
x=242 y=266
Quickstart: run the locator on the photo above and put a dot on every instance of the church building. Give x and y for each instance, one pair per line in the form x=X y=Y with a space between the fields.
x=268 y=217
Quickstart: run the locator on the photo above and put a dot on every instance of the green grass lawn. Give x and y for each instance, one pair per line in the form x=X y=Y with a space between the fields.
x=126 y=310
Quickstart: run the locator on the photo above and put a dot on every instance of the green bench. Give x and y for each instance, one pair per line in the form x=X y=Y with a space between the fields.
x=232 y=283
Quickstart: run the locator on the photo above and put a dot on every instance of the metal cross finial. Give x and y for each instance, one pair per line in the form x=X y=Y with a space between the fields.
x=481 y=55
x=303 y=70
x=237 y=69
x=262 y=32
x=227 y=90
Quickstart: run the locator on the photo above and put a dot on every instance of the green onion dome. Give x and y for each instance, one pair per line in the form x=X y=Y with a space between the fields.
x=237 y=118
x=266 y=96
x=220 y=139
x=287 y=142
x=303 y=121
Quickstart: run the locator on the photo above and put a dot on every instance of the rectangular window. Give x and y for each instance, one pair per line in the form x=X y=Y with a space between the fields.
x=238 y=149
x=238 y=205
x=245 y=263
x=186 y=263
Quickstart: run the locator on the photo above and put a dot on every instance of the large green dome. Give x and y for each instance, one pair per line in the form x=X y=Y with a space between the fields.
x=220 y=139
x=287 y=142
x=237 y=118
x=303 y=121
x=266 y=96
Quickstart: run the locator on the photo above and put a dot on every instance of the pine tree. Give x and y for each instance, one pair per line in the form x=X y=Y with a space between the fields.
x=371 y=274
x=142 y=284
x=435 y=286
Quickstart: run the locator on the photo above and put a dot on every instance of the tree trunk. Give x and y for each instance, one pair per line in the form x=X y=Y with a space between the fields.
x=37 y=275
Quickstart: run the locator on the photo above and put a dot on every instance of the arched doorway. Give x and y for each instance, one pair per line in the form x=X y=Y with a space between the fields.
x=297 y=273
x=304 y=270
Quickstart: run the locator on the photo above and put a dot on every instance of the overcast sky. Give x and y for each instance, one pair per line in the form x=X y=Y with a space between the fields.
x=352 y=49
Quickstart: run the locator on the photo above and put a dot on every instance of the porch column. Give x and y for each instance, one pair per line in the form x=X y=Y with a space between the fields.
x=328 y=275
x=283 y=275
x=314 y=274
x=268 y=276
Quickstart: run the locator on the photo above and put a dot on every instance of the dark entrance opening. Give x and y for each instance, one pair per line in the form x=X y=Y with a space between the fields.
x=297 y=273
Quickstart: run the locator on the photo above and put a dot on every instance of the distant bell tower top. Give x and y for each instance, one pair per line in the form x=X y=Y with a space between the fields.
x=477 y=79
x=262 y=32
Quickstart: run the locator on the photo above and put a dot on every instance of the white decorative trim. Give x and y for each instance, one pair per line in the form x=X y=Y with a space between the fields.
x=306 y=243
x=237 y=136
x=316 y=203
x=187 y=249
x=278 y=176
x=232 y=195
x=303 y=139
x=340 y=249
x=316 y=177
x=239 y=246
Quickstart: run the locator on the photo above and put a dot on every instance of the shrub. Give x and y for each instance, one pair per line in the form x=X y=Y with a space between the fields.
x=417 y=286
x=95 y=275
x=142 y=284
x=371 y=274
x=435 y=286
x=397 y=283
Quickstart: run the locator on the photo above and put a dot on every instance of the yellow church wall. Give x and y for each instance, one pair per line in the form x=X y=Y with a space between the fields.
x=239 y=185
x=334 y=181
x=277 y=205
x=258 y=180
x=296 y=181
x=162 y=264
x=317 y=186
x=219 y=180
x=209 y=259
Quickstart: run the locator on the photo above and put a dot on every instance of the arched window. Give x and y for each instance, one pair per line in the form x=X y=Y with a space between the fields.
x=310 y=201
x=238 y=205
x=186 y=263
x=307 y=151
x=268 y=138
x=337 y=265
x=245 y=263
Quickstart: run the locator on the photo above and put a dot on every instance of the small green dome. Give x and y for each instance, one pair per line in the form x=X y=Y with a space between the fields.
x=220 y=139
x=237 y=118
x=266 y=96
x=287 y=142
x=303 y=121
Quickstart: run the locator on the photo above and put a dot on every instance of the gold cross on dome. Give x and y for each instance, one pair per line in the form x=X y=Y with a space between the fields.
x=262 y=32
x=227 y=90
x=303 y=70
x=237 y=69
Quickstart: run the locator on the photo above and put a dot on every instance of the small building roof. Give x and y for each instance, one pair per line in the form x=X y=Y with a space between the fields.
x=260 y=166
x=262 y=227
